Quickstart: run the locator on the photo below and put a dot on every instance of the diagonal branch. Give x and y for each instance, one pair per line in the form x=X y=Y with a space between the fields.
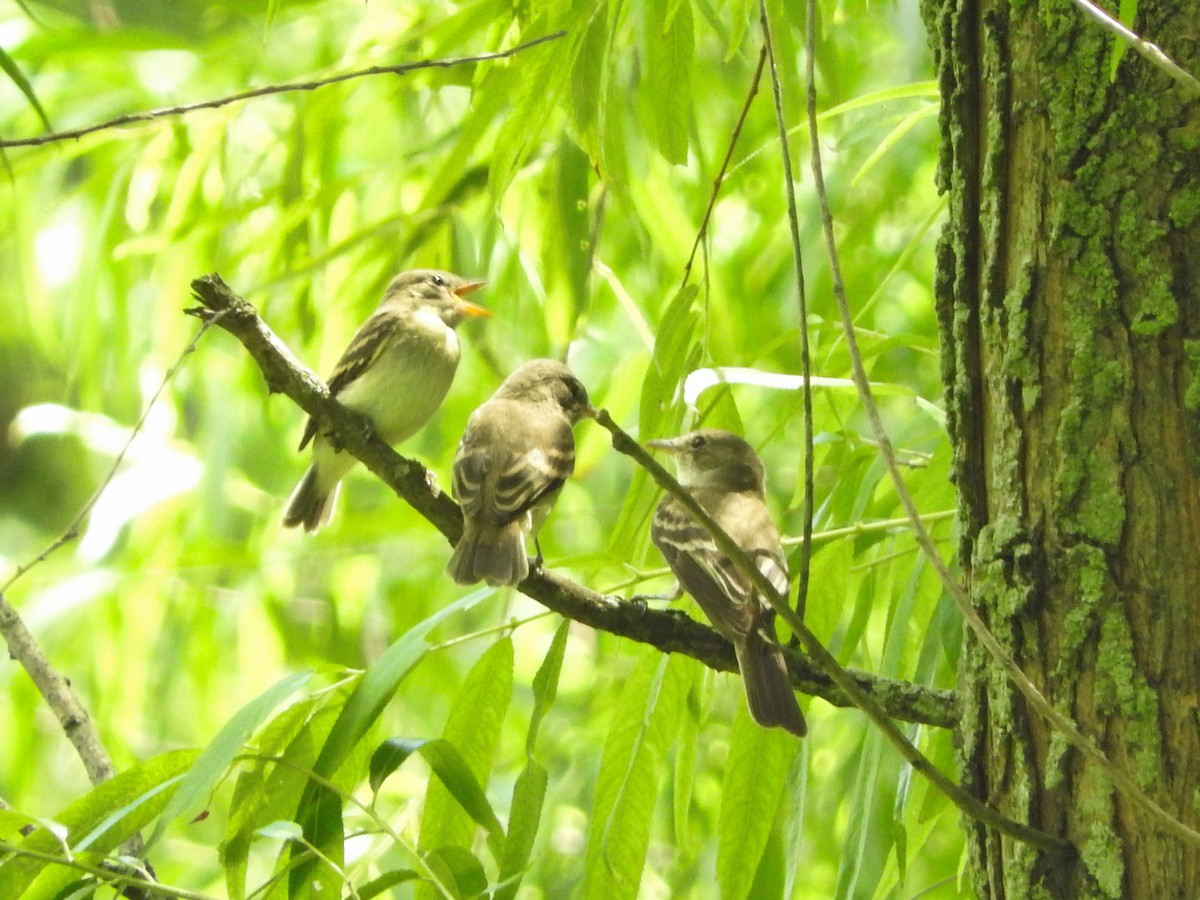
x=1152 y=52
x=151 y=115
x=670 y=631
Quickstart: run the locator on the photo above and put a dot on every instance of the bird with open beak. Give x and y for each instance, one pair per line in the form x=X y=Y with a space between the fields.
x=396 y=372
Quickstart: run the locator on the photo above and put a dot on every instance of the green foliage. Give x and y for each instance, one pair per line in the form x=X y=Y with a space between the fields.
x=552 y=760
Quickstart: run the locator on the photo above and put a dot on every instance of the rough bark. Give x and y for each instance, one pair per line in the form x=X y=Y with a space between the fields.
x=1069 y=305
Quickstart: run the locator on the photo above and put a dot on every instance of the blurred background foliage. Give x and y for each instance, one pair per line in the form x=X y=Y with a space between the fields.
x=574 y=177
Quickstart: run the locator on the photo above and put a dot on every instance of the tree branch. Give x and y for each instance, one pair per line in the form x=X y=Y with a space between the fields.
x=1152 y=52
x=670 y=631
x=151 y=115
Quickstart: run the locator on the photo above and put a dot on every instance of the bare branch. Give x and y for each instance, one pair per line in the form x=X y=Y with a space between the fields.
x=1150 y=51
x=720 y=179
x=670 y=631
x=151 y=115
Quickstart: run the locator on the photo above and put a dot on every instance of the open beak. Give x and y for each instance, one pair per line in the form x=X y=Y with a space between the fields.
x=471 y=310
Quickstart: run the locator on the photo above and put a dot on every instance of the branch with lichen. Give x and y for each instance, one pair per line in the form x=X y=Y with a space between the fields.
x=670 y=631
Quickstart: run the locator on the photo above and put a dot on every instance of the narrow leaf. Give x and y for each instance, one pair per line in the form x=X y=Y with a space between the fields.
x=631 y=769
x=385 y=882
x=9 y=65
x=525 y=815
x=457 y=868
x=669 y=44
x=138 y=793
x=375 y=688
x=756 y=779
x=466 y=753
x=214 y=761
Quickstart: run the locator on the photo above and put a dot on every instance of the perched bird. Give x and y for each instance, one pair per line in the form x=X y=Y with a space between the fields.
x=516 y=452
x=726 y=477
x=396 y=372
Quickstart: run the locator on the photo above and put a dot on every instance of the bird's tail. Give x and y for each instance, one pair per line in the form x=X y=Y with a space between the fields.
x=769 y=691
x=494 y=555
x=311 y=504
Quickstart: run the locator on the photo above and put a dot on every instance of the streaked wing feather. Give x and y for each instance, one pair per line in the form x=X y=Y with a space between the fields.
x=366 y=345
x=529 y=476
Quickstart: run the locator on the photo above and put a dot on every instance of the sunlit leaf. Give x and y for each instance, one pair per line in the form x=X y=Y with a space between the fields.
x=9 y=65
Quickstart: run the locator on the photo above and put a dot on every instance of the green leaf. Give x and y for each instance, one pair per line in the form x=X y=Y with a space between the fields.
x=9 y=65
x=214 y=761
x=589 y=79
x=541 y=77
x=524 y=817
x=103 y=818
x=269 y=791
x=384 y=882
x=644 y=724
x=320 y=809
x=470 y=736
x=458 y=869
x=685 y=754
x=669 y=47
x=756 y=779
x=545 y=682
x=529 y=793
x=675 y=354
x=448 y=765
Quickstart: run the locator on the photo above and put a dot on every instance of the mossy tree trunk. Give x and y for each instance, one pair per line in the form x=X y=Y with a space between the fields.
x=1069 y=304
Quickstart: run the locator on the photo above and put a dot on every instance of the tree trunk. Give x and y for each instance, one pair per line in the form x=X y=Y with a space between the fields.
x=1069 y=305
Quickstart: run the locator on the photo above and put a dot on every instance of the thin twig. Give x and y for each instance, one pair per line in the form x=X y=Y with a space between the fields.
x=151 y=115
x=720 y=179
x=802 y=301
x=1152 y=52
x=833 y=534
x=103 y=874
x=72 y=530
x=1120 y=778
x=670 y=631
x=51 y=684
x=969 y=804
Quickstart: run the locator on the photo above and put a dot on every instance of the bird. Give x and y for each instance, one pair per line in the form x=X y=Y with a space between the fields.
x=516 y=451
x=727 y=478
x=396 y=372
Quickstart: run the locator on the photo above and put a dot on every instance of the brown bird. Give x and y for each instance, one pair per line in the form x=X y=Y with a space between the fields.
x=396 y=372
x=726 y=477
x=516 y=452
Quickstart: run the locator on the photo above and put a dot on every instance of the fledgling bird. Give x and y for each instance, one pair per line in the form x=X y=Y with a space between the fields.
x=726 y=477
x=396 y=371
x=517 y=450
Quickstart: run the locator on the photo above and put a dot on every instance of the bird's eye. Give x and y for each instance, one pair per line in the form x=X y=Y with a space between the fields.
x=437 y=279
x=697 y=442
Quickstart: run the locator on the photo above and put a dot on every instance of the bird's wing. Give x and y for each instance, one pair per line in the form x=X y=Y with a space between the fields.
x=366 y=345
x=703 y=570
x=502 y=473
x=528 y=474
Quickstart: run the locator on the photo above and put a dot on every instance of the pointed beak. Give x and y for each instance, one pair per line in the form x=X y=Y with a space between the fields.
x=671 y=446
x=471 y=310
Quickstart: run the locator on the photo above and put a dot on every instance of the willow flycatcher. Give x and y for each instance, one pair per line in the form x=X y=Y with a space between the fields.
x=726 y=477
x=396 y=372
x=516 y=452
